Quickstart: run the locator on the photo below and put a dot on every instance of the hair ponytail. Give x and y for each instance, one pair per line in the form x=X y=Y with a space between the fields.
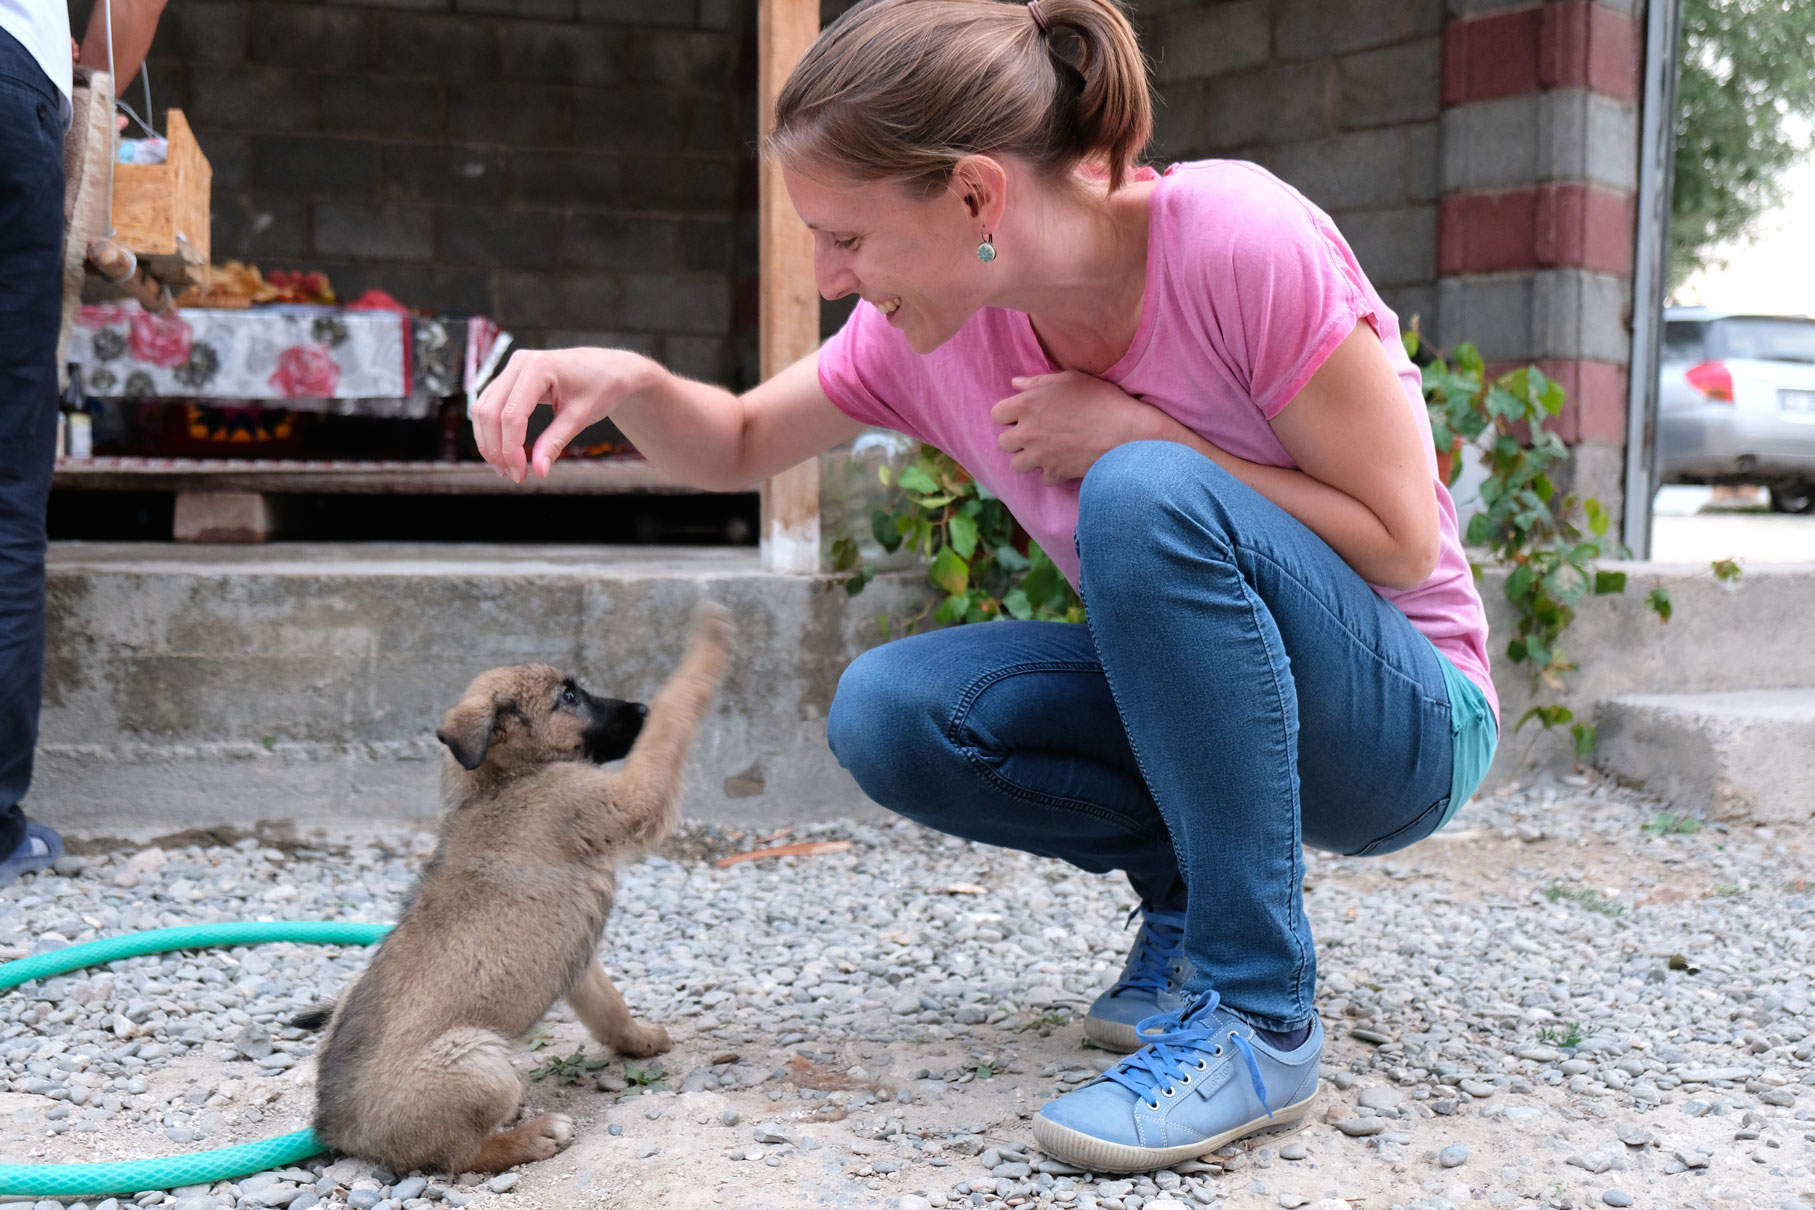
x=904 y=89
x=1112 y=112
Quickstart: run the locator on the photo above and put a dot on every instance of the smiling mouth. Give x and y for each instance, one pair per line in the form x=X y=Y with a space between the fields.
x=888 y=306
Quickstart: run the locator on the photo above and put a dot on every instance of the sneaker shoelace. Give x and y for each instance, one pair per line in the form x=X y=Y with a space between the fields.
x=1175 y=1053
x=1157 y=947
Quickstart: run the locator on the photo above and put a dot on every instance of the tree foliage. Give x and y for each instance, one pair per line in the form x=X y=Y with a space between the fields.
x=1747 y=86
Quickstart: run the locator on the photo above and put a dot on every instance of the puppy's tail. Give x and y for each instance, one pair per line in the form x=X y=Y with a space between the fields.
x=315 y=1018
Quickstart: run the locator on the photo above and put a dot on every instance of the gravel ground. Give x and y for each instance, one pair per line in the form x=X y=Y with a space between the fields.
x=1567 y=999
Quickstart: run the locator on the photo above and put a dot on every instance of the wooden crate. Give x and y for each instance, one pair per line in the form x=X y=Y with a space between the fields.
x=160 y=211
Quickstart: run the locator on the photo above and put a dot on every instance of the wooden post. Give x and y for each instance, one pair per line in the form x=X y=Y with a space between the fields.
x=790 y=300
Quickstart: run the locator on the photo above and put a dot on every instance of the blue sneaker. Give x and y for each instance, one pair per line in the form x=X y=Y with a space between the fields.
x=1202 y=1081
x=1150 y=985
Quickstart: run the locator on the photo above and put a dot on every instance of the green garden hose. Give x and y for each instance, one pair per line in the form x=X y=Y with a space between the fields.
x=202 y=1167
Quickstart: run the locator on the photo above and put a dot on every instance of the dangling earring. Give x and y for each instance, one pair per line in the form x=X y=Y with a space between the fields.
x=986 y=251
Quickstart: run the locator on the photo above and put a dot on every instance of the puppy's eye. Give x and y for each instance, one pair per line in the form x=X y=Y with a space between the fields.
x=569 y=697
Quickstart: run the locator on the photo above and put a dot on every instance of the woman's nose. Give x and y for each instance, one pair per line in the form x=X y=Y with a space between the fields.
x=832 y=276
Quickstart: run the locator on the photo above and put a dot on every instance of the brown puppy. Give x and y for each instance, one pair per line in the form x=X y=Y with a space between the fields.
x=415 y=1071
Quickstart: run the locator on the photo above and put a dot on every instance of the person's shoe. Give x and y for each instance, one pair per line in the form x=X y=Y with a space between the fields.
x=1150 y=983
x=41 y=849
x=1201 y=1082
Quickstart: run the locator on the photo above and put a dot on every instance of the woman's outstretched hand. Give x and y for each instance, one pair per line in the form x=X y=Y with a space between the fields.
x=1060 y=424
x=581 y=385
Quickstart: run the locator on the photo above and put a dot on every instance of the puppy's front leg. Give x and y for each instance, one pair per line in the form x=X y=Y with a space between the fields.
x=601 y=1008
x=649 y=787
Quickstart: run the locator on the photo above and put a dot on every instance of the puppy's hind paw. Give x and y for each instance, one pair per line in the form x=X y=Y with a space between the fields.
x=559 y=1128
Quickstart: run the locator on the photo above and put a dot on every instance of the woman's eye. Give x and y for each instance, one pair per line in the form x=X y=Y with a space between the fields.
x=845 y=245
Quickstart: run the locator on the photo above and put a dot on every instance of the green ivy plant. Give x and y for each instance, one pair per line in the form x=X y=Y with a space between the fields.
x=1550 y=545
x=969 y=541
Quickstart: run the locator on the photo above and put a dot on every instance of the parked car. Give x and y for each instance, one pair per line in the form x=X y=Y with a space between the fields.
x=1736 y=403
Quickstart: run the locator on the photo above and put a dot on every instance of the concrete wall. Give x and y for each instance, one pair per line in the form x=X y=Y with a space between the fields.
x=204 y=686
x=191 y=687
x=1342 y=99
x=1723 y=638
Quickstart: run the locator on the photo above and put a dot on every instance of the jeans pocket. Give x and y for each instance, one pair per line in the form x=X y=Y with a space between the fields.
x=1410 y=833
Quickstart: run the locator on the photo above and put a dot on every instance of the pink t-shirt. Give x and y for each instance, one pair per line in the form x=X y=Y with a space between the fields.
x=1250 y=287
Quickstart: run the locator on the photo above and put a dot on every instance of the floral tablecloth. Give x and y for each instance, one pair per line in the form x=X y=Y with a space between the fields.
x=306 y=358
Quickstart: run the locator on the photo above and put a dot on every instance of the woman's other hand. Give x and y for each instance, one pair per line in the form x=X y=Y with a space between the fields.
x=581 y=385
x=1060 y=424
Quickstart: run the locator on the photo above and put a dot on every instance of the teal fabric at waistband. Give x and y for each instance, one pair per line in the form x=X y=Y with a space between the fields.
x=1474 y=735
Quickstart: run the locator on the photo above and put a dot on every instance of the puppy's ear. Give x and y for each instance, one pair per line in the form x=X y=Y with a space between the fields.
x=467 y=730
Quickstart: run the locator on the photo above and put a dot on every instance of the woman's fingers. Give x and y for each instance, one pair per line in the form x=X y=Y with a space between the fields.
x=570 y=419
x=486 y=408
x=535 y=383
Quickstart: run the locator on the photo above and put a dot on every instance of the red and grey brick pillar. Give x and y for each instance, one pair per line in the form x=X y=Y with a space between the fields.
x=1537 y=214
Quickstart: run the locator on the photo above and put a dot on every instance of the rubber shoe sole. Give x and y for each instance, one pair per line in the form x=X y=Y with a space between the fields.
x=1081 y=1150
x=1118 y=1036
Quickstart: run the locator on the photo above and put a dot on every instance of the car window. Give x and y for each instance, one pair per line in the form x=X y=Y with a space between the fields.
x=1768 y=339
x=1683 y=340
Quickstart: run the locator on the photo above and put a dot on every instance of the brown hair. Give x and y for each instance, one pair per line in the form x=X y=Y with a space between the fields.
x=904 y=89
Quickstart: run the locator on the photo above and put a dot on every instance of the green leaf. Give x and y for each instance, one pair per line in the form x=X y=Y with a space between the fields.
x=1011 y=560
x=914 y=479
x=1608 y=582
x=844 y=554
x=1598 y=520
x=950 y=572
x=1725 y=570
x=885 y=474
x=1016 y=604
x=961 y=531
x=1658 y=599
x=886 y=530
x=951 y=610
x=1547 y=716
x=856 y=583
x=1583 y=734
x=933 y=502
x=1468 y=360
x=1537 y=652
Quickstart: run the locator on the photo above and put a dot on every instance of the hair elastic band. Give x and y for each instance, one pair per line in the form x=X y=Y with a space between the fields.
x=1033 y=9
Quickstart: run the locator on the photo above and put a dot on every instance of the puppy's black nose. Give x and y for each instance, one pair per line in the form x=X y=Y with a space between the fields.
x=641 y=709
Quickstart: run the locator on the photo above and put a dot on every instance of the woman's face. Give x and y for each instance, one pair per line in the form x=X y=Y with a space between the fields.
x=913 y=258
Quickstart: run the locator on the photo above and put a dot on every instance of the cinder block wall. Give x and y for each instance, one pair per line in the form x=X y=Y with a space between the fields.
x=1339 y=98
x=579 y=169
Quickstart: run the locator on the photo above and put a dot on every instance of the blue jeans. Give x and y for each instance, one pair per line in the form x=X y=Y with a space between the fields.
x=1238 y=691
x=31 y=301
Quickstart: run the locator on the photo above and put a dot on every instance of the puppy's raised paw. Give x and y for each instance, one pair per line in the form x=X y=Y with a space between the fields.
x=712 y=624
x=641 y=1041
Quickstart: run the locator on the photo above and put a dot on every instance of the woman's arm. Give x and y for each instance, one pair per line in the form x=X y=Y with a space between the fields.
x=1362 y=483
x=701 y=434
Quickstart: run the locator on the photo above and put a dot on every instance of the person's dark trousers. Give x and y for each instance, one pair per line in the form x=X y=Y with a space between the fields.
x=31 y=292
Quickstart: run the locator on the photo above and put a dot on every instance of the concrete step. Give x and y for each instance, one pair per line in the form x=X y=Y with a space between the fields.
x=1742 y=757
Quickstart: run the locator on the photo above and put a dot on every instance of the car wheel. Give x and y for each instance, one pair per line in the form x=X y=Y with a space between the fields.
x=1797 y=498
